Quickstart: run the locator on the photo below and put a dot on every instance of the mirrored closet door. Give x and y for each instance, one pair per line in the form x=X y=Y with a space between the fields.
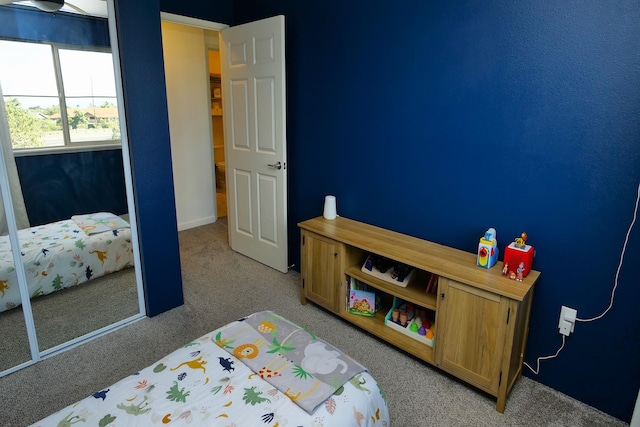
x=14 y=345
x=76 y=241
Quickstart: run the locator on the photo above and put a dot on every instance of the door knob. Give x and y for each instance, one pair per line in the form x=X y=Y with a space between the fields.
x=276 y=166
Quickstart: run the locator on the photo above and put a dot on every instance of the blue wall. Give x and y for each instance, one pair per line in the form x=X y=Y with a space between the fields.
x=57 y=186
x=28 y=23
x=220 y=11
x=145 y=103
x=440 y=119
x=140 y=40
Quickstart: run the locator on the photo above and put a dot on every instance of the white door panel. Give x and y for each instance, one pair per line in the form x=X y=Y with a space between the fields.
x=242 y=181
x=239 y=137
x=266 y=125
x=253 y=86
x=267 y=195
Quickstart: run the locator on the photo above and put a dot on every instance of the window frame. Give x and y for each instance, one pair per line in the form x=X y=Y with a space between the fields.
x=68 y=144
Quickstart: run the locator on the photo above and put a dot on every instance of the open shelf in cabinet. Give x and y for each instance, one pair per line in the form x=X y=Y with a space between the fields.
x=414 y=293
x=375 y=325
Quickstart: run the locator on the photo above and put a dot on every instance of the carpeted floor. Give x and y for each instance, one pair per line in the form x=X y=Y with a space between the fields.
x=221 y=285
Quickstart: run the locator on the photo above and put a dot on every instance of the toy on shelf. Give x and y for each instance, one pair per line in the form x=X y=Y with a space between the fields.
x=378 y=262
x=518 y=258
x=389 y=270
x=404 y=318
x=520 y=271
x=488 y=249
x=400 y=271
x=411 y=320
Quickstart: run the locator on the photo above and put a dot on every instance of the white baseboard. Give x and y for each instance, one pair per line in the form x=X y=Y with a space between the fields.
x=196 y=223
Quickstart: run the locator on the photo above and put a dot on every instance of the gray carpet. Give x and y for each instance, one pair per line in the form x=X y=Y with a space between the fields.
x=221 y=285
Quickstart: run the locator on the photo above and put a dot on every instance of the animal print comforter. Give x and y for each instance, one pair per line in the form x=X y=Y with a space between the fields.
x=60 y=255
x=202 y=384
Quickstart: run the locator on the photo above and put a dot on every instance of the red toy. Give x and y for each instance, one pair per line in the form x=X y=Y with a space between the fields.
x=519 y=252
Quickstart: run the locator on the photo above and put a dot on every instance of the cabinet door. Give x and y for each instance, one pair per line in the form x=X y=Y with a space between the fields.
x=321 y=269
x=471 y=333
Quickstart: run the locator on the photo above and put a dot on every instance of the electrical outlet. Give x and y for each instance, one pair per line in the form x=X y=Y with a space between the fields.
x=567 y=321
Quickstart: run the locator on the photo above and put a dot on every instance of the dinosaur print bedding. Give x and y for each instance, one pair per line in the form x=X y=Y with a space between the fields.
x=204 y=384
x=60 y=255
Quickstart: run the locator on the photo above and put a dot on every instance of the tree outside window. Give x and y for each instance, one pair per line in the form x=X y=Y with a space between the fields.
x=57 y=96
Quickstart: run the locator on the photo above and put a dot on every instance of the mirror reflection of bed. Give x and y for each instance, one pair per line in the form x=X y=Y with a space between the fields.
x=80 y=277
x=57 y=185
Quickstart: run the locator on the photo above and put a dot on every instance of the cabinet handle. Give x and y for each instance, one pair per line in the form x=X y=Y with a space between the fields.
x=335 y=254
x=442 y=295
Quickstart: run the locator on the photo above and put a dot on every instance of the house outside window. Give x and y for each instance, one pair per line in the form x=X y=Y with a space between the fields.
x=58 y=96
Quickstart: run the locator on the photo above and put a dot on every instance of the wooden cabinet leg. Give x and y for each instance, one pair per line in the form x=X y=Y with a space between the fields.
x=502 y=402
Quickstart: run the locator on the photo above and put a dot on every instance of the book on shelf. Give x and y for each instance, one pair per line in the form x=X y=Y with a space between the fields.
x=361 y=298
x=432 y=285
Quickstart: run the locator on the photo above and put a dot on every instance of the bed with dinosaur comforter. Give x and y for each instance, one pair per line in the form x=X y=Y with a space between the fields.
x=262 y=370
x=64 y=254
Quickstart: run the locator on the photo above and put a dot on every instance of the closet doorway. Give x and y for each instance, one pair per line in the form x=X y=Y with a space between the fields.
x=215 y=87
x=253 y=81
x=189 y=83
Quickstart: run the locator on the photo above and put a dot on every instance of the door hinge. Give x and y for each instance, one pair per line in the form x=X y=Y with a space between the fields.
x=302 y=240
x=508 y=315
x=302 y=283
x=500 y=379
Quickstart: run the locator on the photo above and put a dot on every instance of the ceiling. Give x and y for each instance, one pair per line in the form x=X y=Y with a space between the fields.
x=91 y=7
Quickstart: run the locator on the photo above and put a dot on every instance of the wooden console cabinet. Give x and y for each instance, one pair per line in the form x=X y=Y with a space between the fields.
x=481 y=317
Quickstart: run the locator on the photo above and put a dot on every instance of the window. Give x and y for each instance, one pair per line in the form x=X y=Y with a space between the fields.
x=57 y=96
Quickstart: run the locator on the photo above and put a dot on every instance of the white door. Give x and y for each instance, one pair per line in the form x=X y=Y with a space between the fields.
x=253 y=92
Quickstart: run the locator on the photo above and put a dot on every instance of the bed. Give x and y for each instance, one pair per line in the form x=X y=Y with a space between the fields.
x=64 y=254
x=262 y=370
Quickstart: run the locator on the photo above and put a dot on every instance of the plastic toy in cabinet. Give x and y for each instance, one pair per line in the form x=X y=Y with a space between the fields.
x=411 y=320
x=488 y=249
x=518 y=258
x=389 y=270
